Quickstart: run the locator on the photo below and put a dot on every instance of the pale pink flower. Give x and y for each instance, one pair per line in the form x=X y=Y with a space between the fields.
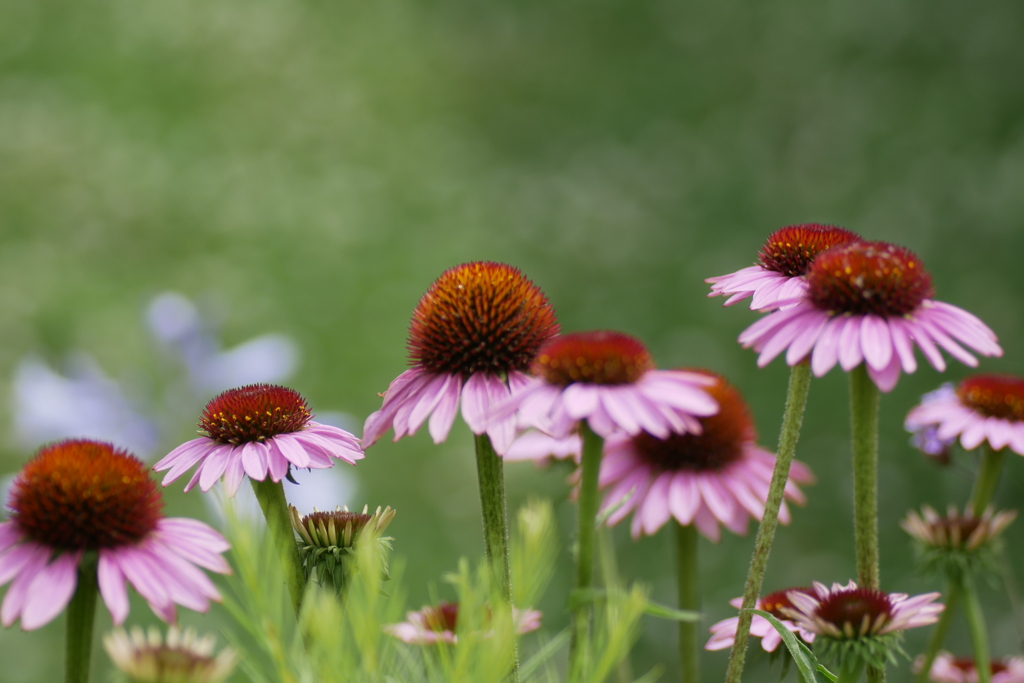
x=102 y=501
x=981 y=408
x=717 y=475
x=472 y=336
x=539 y=448
x=724 y=632
x=949 y=669
x=438 y=624
x=869 y=302
x=778 y=277
x=849 y=612
x=609 y=380
x=262 y=431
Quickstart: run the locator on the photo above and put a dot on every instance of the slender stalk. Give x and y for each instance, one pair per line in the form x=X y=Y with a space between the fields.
x=270 y=494
x=689 y=599
x=850 y=673
x=976 y=627
x=590 y=467
x=80 y=621
x=491 y=477
x=987 y=480
x=792 y=419
x=864 y=426
x=609 y=578
x=940 y=632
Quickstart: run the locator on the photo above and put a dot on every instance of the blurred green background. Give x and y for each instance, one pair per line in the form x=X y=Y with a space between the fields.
x=311 y=166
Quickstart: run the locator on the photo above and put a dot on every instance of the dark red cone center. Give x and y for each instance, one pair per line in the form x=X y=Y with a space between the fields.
x=869 y=278
x=853 y=605
x=85 y=495
x=593 y=357
x=774 y=603
x=1000 y=396
x=254 y=413
x=442 y=617
x=719 y=444
x=480 y=317
x=791 y=250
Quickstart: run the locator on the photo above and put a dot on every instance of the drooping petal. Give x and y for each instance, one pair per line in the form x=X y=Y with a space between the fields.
x=51 y=591
x=112 y=587
x=876 y=342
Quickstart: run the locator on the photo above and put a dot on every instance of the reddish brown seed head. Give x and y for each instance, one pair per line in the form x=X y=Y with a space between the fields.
x=85 y=495
x=340 y=518
x=1000 y=396
x=254 y=413
x=480 y=317
x=868 y=278
x=442 y=617
x=856 y=606
x=719 y=444
x=967 y=665
x=593 y=357
x=791 y=250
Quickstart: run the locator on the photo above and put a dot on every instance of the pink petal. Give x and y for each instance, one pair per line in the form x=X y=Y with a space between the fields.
x=476 y=402
x=291 y=449
x=707 y=525
x=213 y=467
x=17 y=558
x=804 y=342
x=684 y=497
x=876 y=342
x=443 y=417
x=580 y=399
x=618 y=408
x=767 y=326
x=17 y=593
x=655 y=510
x=886 y=379
x=51 y=591
x=182 y=464
x=785 y=334
x=920 y=335
x=429 y=398
x=826 y=349
x=277 y=463
x=901 y=341
x=189 y=452
x=112 y=587
x=850 y=355
x=254 y=460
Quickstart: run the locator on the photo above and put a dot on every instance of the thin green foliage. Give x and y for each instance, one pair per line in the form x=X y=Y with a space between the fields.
x=344 y=640
x=810 y=670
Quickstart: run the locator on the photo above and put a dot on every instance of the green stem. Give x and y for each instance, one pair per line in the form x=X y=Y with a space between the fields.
x=941 y=631
x=491 y=476
x=270 y=494
x=80 y=620
x=609 y=578
x=590 y=467
x=850 y=673
x=864 y=426
x=976 y=626
x=987 y=481
x=792 y=419
x=689 y=599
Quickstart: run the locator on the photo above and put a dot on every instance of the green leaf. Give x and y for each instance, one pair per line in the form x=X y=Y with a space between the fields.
x=806 y=663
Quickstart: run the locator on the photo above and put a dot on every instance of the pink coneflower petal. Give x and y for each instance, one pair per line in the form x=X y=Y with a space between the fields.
x=112 y=587
x=982 y=408
x=51 y=591
x=17 y=593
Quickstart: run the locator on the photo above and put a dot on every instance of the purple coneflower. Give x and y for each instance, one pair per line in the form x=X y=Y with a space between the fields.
x=260 y=430
x=472 y=337
x=949 y=669
x=981 y=408
x=437 y=624
x=854 y=624
x=782 y=264
x=869 y=302
x=81 y=497
x=609 y=380
x=724 y=632
x=717 y=475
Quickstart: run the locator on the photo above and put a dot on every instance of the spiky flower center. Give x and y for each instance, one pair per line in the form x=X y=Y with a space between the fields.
x=868 y=278
x=1000 y=396
x=255 y=412
x=720 y=442
x=593 y=357
x=856 y=611
x=480 y=317
x=340 y=519
x=85 y=495
x=775 y=603
x=442 y=617
x=791 y=250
